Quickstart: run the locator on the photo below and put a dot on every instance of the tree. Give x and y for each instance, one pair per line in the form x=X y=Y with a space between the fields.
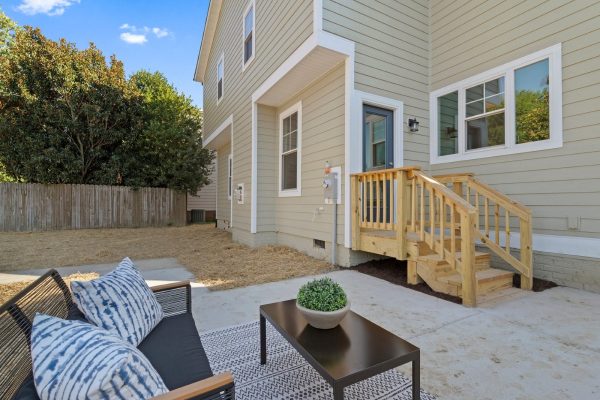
x=532 y=115
x=168 y=147
x=63 y=112
x=8 y=28
x=3 y=176
x=69 y=116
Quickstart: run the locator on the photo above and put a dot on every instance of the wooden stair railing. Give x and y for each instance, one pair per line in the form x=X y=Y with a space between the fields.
x=405 y=200
x=497 y=213
x=436 y=213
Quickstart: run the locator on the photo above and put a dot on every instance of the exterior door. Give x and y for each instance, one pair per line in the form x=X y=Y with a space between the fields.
x=378 y=138
x=378 y=153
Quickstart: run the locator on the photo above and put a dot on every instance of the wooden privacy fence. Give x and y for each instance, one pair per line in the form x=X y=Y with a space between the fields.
x=38 y=207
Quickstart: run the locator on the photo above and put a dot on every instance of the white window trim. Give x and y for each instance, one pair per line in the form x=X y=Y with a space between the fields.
x=283 y=115
x=221 y=61
x=553 y=53
x=229 y=176
x=251 y=4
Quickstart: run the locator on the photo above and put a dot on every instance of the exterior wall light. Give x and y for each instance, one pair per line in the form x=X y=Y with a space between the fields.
x=413 y=124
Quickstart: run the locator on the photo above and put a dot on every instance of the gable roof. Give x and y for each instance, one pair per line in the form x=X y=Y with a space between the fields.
x=210 y=27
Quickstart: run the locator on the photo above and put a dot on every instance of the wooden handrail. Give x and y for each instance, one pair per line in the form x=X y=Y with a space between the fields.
x=367 y=173
x=493 y=202
x=457 y=177
x=459 y=201
x=507 y=203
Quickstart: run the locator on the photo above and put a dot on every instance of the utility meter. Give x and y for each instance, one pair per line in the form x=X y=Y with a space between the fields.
x=330 y=185
x=239 y=193
x=330 y=188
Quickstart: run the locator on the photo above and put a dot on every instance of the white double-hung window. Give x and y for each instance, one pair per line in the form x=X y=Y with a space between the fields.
x=220 y=73
x=249 y=37
x=290 y=151
x=514 y=108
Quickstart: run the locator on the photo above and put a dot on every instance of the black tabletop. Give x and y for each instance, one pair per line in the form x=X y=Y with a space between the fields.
x=355 y=349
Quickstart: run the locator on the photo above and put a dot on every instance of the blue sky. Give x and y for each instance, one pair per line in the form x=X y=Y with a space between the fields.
x=157 y=35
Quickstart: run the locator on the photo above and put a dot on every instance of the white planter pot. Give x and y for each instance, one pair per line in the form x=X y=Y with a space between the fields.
x=324 y=319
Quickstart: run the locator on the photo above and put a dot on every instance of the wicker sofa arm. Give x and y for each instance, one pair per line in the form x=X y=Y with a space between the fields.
x=219 y=386
x=175 y=298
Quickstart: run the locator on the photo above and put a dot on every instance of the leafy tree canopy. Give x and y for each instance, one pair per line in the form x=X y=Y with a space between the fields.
x=69 y=116
x=7 y=32
x=168 y=149
x=532 y=115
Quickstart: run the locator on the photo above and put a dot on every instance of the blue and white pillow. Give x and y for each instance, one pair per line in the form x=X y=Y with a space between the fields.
x=76 y=360
x=120 y=302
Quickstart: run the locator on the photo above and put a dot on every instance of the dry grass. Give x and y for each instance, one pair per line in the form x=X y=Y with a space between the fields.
x=8 y=290
x=209 y=253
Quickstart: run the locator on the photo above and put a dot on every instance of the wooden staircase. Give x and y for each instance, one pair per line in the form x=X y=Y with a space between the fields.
x=437 y=228
x=441 y=277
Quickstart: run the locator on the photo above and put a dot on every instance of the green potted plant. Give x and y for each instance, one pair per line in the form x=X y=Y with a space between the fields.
x=323 y=303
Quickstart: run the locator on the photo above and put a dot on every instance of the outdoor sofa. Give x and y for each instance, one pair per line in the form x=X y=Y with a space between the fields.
x=173 y=347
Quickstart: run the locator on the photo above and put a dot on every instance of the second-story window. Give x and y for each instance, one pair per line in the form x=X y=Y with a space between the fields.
x=220 y=71
x=249 y=34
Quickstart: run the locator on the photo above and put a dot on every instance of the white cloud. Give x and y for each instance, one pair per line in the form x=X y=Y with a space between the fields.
x=160 y=33
x=135 y=35
x=48 y=7
x=133 y=38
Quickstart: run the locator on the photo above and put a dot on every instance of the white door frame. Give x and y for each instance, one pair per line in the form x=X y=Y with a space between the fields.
x=355 y=144
x=397 y=106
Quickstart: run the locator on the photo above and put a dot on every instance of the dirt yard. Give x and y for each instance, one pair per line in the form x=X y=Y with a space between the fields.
x=8 y=290
x=209 y=253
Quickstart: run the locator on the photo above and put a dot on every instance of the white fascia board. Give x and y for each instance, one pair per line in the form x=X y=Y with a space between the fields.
x=210 y=27
x=206 y=141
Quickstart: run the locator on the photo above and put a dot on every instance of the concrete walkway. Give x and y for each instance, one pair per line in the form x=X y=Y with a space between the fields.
x=532 y=346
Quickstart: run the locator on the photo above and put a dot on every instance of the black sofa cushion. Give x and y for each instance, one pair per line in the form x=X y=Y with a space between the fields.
x=27 y=390
x=175 y=350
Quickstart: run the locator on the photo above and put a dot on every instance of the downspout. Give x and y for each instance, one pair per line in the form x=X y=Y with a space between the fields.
x=334 y=230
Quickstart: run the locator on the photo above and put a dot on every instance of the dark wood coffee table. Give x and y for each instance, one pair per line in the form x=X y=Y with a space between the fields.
x=355 y=350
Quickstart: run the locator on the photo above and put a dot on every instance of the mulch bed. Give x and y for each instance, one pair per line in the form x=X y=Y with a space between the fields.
x=394 y=271
x=539 y=285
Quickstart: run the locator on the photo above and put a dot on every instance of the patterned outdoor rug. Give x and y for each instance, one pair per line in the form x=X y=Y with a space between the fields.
x=287 y=375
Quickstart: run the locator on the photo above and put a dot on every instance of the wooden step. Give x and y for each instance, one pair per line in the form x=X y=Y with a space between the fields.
x=488 y=280
x=485 y=275
x=482 y=259
x=430 y=276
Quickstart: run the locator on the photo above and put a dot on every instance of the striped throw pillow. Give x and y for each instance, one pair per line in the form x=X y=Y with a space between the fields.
x=76 y=360
x=120 y=302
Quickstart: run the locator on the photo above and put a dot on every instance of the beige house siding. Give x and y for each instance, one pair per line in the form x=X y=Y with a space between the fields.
x=223 y=202
x=391 y=59
x=322 y=140
x=267 y=146
x=206 y=198
x=472 y=37
x=281 y=27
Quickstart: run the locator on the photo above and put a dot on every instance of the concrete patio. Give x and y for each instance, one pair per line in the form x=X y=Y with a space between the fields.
x=529 y=346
